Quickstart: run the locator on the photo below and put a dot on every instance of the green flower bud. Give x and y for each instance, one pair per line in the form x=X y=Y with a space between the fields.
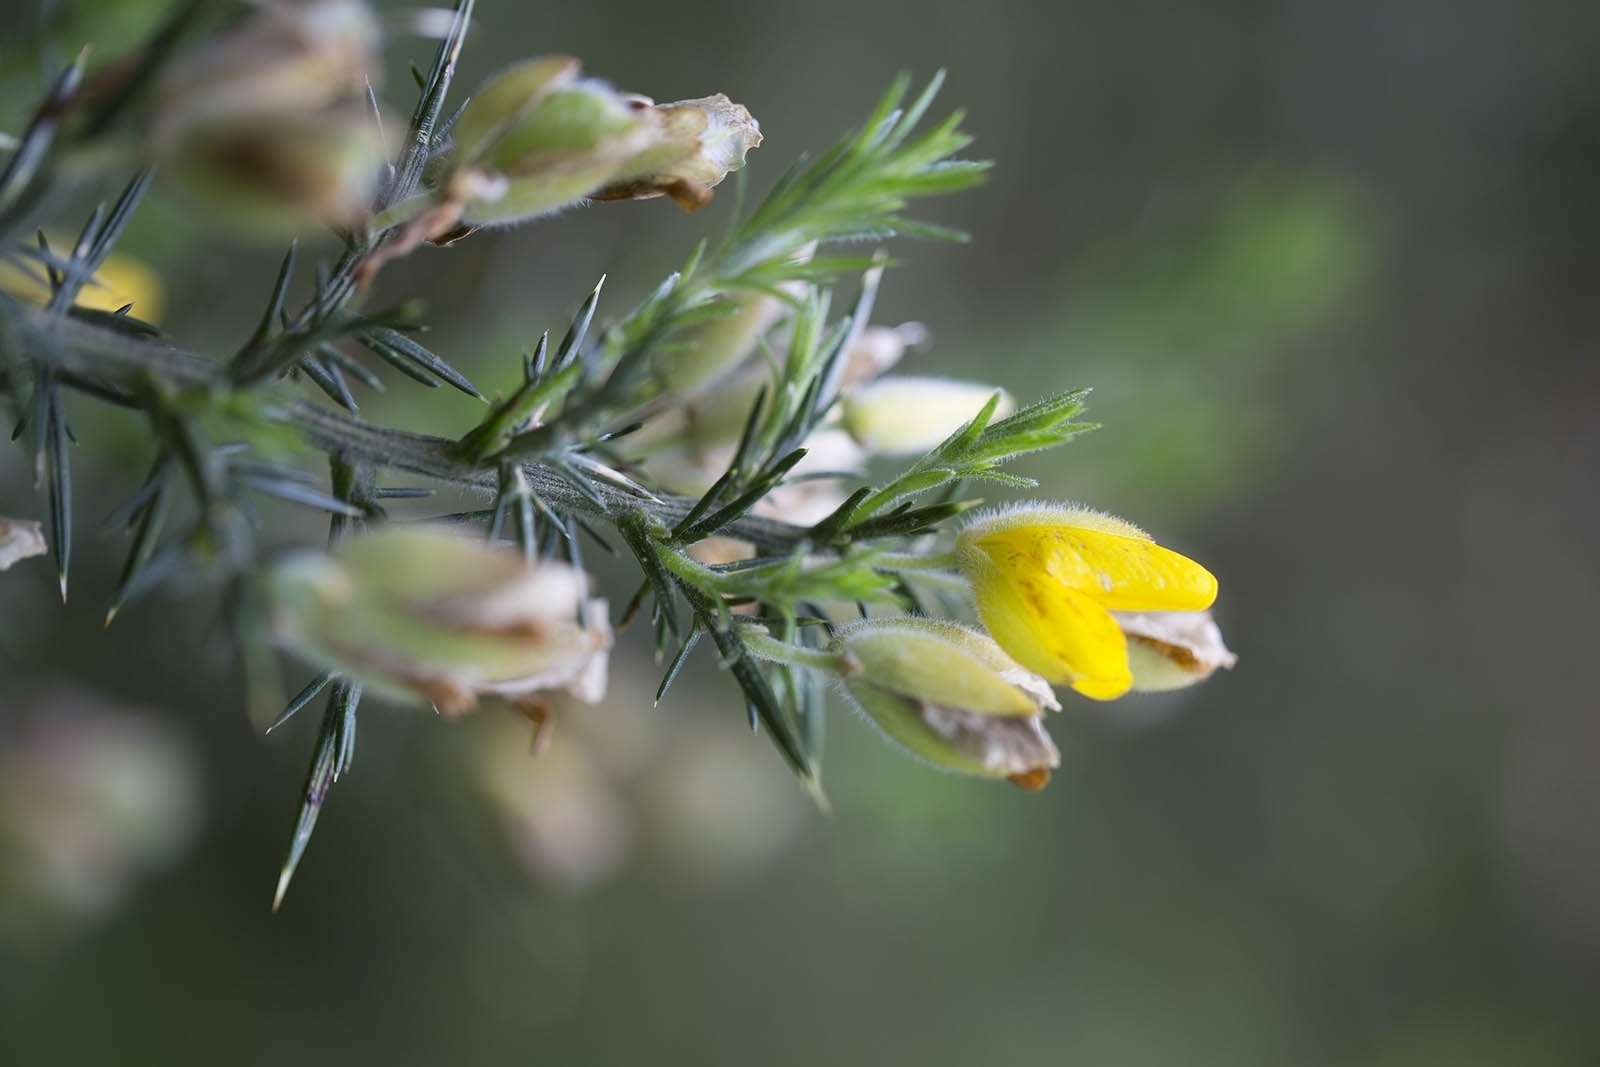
x=949 y=695
x=535 y=138
x=905 y=416
x=276 y=174
x=710 y=352
x=498 y=105
x=702 y=142
x=418 y=614
x=1172 y=649
x=707 y=352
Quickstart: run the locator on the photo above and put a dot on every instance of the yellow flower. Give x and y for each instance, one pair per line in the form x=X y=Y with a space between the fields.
x=121 y=280
x=1046 y=580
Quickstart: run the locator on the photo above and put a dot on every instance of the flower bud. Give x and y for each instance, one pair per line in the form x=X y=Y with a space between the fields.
x=708 y=422
x=277 y=174
x=421 y=614
x=282 y=59
x=949 y=695
x=702 y=142
x=706 y=353
x=905 y=416
x=1047 y=578
x=807 y=495
x=1172 y=649
x=93 y=797
x=535 y=138
x=878 y=349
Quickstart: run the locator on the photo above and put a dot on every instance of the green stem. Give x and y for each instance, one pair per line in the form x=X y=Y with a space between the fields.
x=691 y=571
x=909 y=562
x=763 y=645
x=79 y=351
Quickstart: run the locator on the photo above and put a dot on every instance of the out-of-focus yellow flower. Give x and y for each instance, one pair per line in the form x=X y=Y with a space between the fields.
x=93 y=797
x=120 y=281
x=1047 y=578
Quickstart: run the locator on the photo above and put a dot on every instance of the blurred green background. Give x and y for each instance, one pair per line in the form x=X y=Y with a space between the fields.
x=1330 y=269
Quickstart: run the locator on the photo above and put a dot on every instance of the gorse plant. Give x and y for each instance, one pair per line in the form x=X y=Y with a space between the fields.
x=714 y=436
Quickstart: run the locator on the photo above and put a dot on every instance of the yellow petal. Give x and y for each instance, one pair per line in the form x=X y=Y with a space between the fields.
x=123 y=280
x=1048 y=627
x=1119 y=571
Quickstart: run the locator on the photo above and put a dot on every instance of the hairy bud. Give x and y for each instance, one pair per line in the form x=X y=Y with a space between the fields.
x=702 y=142
x=536 y=138
x=419 y=614
x=949 y=695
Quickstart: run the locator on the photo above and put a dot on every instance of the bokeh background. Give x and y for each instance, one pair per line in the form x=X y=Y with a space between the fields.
x=1330 y=269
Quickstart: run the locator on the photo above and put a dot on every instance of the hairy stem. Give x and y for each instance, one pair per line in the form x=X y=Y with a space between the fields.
x=103 y=360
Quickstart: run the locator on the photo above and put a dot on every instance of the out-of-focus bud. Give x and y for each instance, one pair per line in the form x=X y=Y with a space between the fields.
x=19 y=540
x=709 y=422
x=421 y=614
x=715 y=813
x=902 y=416
x=565 y=820
x=706 y=353
x=281 y=173
x=536 y=138
x=949 y=695
x=716 y=550
x=702 y=142
x=807 y=495
x=878 y=349
x=282 y=59
x=1172 y=649
x=1046 y=579
x=92 y=797
x=267 y=123
x=684 y=469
